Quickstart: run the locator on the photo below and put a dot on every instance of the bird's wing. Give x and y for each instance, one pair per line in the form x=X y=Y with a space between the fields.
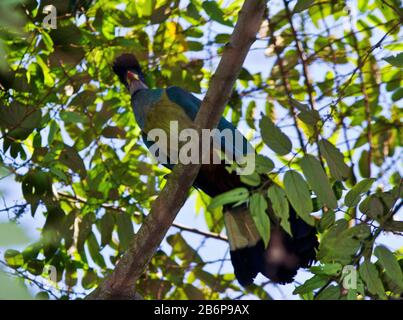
x=232 y=142
x=284 y=255
x=163 y=119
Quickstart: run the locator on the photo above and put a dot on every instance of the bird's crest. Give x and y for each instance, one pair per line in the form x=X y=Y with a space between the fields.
x=124 y=63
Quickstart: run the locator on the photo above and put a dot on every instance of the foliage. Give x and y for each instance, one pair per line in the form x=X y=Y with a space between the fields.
x=11 y=288
x=330 y=85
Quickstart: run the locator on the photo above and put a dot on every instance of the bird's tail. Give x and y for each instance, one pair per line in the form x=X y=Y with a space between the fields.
x=280 y=260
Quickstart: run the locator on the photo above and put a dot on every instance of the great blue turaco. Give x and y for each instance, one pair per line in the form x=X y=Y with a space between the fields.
x=284 y=255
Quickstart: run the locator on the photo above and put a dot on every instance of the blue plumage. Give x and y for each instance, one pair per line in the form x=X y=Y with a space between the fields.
x=284 y=255
x=145 y=99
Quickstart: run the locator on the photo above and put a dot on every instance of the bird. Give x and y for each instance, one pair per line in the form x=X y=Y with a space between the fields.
x=284 y=255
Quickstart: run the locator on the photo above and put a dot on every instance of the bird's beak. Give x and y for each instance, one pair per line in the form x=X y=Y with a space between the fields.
x=134 y=82
x=131 y=76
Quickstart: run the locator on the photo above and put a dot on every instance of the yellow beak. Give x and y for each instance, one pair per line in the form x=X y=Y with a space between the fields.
x=131 y=76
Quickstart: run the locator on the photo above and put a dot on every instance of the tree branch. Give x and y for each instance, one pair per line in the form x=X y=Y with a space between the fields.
x=106 y=206
x=121 y=283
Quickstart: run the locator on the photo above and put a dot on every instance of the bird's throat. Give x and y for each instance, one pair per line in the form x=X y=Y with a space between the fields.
x=135 y=86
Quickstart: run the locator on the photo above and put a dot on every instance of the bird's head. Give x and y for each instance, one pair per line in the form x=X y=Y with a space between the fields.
x=128 y=69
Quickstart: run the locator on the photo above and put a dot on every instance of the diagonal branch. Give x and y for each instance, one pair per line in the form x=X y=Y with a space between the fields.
x=121 y=283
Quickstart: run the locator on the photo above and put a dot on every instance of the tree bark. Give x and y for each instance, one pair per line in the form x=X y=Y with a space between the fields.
x=121 y=283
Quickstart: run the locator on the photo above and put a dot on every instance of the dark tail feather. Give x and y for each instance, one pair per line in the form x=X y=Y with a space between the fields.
x=304 y=241
x=247 y=263
x=286 y=254
x=246 y=246
x=282 y=258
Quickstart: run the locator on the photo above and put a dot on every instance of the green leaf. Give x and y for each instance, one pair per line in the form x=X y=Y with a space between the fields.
x=299 y=105
x=209 y=279
x=213 y=218
x=258 y=291
x=280 y=206
x=19 y=120
x=339 y=244
x=193 y=293
x=90 y=279
x=215 y=12
x=154 y=288
x=328 y=218
x=42 y=296
x=193 y=12
x=397 y=95
x=338 y=188
x=84 y=98
x=36 y=186
x=389 y=262
x=359 y=232
x=335 y=160
x=232 y=196
x=372 y=207
x=329 y=269
x=52 y=131
x=106 y=226
x=363 y=164
x=274 y=138
x=371 y=278
x=258 y=207
x=35 y=266
x=70 y=157
x=47 y=40
x=32 y=250
x=352 y=294
x=13 y=258
x=329 y=293
x=113 y=132
x=94 y=250
x=245 y=75
x=251 y=179
x=311 y=284
x=72 y=117
x=263 y=164
x=59 y=173
x=303 y=5
x=310 y=117
x=144 y=7
x=250 y=110
x=224 y=38
x=125 y=229
x=47 y=76
x=182 y=249
x=195 y=46
x=298 y=193
x=353 y=197
x=318 y=180
x=362 y=5
x=396 y=61
x=148 y=7
x=161 y=14
x=51 y=231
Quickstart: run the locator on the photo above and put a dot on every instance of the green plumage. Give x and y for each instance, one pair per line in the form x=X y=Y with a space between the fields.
x=156 y=109
x=241 y=229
